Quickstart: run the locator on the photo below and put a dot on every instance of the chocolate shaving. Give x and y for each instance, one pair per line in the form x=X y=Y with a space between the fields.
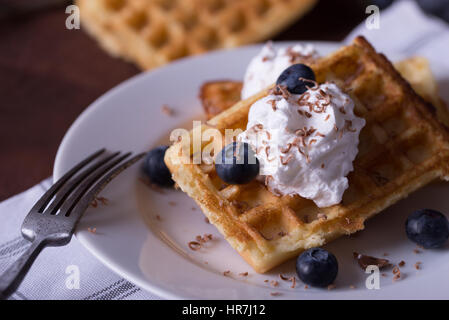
x=268 y=135
x=397 y=273
x=312 y=142
x=195 y=246
x=287 y=148
x=331 y=286
x=365 y=261
x=286 y=161
x=92 y=230
x=293 y=280
x=280 y=90
x=304 y=96
x=315 y=84
x=273 y=104
x=348 y=126
x=298 y=57
x=267 y=150
x=167 y=110
x=283 y=277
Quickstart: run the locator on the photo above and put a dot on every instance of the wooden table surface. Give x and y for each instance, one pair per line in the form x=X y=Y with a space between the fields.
x=49 y=75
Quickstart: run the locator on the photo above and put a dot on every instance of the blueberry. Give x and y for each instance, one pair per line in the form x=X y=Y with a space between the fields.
x=317 y=267
x=428 y=228
x=382 y=4
x=237 y=166
x=433 y=6
x=155 y=168
x=292 y=78
x=440 y=8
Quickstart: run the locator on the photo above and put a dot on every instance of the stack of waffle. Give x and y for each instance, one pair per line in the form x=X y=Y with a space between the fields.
x=402 y=148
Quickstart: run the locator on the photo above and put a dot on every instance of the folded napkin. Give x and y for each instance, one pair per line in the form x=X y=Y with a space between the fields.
x=404 y=31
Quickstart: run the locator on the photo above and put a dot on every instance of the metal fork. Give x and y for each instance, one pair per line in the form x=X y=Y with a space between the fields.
x=53 y=219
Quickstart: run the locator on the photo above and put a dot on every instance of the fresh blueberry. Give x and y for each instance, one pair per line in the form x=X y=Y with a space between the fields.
x=382 y=4
x=428 y=228
x=440 y=8
x=295 y=78
x=317 y=267
x=155 y=168
x=237 y=164
x=433 y=6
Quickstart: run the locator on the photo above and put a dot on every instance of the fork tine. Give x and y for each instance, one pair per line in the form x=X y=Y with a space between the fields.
x=68 y=188
x=45 y=199
x=80 y=200
x=88 y=181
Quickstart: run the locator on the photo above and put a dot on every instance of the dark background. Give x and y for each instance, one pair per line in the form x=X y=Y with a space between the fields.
x=49 y=75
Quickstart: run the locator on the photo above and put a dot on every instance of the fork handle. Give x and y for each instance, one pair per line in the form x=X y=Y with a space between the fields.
x=13 y=276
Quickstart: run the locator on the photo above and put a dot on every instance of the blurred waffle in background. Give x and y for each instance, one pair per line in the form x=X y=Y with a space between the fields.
x=151 y=33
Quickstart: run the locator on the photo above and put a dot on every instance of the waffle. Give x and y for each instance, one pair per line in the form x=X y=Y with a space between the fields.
x=217 y=96
x=402 y=148
x=153 y=32
x=417 y=72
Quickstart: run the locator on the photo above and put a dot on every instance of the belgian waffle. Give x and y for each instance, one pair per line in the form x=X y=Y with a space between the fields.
x=417 y=72
x=402 y=148
x=153 y=32
x=217 y=96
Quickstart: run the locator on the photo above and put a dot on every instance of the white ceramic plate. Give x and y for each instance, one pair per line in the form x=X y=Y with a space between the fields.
x=154 y=254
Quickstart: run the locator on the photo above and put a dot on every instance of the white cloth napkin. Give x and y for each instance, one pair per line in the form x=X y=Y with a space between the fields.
x=404 y=31
x=57 y=267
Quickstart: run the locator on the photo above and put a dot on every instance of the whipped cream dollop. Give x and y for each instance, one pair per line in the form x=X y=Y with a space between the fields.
x=305 y=143
x=266 y=67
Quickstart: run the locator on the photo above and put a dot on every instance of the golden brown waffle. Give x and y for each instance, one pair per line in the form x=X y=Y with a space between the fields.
x=402 y=148
x=417 y=72
x=217 y=96
x=153 y=32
